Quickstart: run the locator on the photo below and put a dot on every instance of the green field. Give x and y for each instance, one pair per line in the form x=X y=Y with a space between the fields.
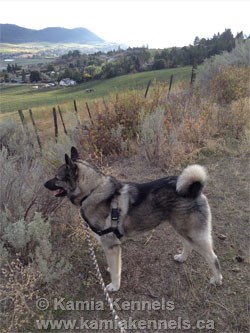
x=23 y=62
x=15 y=97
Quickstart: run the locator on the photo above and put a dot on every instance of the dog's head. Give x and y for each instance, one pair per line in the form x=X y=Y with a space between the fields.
x=65 y=180
x=73 y=179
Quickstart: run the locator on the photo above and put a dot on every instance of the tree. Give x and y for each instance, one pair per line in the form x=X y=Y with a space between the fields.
x=227 y=40
x=50 y=68
x=159 y=64
x=23 y=76
x=76 y=53
x=196 y=41
x=6 y=77
x=35 y=76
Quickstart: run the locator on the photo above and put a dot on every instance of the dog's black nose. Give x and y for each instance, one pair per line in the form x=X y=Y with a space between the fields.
x=51 y=184
x=45 y=184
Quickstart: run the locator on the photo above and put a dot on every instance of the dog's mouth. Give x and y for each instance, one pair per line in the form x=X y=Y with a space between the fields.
x=60 y=192
x=57 y=190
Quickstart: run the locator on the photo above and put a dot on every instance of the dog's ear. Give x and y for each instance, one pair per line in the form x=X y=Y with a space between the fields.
x=71 y=166
x=74 y=154
x=67 y=159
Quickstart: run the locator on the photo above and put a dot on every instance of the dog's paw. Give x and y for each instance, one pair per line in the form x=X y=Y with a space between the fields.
x=179 y=258
x=216 y=281
x=111 y=288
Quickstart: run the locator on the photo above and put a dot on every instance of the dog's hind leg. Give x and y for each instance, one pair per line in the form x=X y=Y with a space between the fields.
x=205 y=248
x=187 y=249
x=113 y=256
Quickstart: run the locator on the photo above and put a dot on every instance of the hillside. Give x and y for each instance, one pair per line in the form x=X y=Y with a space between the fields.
x=11 y=33
x=14 y=97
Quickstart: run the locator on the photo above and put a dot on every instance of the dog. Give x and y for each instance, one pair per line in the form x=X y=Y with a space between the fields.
x=116 y=211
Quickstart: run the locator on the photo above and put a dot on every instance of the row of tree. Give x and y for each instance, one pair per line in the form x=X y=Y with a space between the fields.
x=195 y=54
x=13 y=68
x=118 y=62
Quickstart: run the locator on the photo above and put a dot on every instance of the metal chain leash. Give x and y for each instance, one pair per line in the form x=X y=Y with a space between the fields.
x=101 y=281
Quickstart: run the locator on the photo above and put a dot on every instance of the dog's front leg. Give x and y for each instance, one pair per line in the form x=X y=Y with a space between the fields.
x=113 y=256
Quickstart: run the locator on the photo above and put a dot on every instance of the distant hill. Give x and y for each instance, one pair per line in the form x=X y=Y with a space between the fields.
x=13 y=34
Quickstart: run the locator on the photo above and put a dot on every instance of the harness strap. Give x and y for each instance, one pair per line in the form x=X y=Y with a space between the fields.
x=115 y=213
x=105 y=231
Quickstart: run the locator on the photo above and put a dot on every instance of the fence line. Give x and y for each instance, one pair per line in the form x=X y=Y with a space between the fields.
x=106 y=108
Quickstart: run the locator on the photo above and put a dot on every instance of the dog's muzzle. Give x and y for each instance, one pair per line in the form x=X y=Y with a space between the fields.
x=58 y=191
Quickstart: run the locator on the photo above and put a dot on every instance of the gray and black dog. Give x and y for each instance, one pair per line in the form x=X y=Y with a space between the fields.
x=116 y=211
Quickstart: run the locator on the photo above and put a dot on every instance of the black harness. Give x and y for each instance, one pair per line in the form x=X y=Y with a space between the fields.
x=115 y=214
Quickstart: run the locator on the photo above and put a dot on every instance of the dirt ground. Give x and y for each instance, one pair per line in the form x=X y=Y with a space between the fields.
x=149 y=272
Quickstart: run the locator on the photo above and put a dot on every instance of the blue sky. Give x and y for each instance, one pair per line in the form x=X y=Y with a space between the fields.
x=156 y=23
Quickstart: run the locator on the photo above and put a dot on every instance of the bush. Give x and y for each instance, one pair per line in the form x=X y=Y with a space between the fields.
x=152 y=135
x=115 y=125
x=225 y=77
x=15 y=140
x=20 y=286
x=233 y=120
x=238 y=57
x=230 y=84
x=31 y=254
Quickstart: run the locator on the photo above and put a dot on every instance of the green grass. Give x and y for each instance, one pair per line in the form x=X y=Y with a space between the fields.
x=25 y=61
x=14 y=97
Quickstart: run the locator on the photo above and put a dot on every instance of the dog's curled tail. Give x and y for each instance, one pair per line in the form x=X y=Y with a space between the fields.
x=191 y=181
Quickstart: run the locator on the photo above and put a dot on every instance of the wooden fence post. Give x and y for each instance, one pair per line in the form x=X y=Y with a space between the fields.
x=55 y=124
x=116 y=102
x=36 y=131
x=76 y=112
x=25 y=126
x=105 y=105
x=191 y=90
x=170 y=84
x=61 y=116
x=90 y=117
x=193 y=75
x=148 y=85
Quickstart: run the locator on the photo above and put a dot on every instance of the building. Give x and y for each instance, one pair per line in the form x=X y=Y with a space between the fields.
x=67 y=82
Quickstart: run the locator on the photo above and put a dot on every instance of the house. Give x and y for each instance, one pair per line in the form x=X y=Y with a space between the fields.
x=67 y=82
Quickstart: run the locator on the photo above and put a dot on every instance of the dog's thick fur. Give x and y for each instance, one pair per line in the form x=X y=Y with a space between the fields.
x=178 y=200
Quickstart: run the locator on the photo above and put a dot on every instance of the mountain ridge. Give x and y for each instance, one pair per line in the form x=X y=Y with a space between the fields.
x=14 y=34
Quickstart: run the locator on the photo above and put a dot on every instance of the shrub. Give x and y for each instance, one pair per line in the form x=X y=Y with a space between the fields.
x=225 y=77
x=30 y=252
x=230 y=84
x=16 y=141
x=116 y=124
x=238 y=57
x=152 y=134
x=20 y=286
x=32 y=240
x=233 y=120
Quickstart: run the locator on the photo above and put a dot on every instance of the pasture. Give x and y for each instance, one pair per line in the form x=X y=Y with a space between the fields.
x=15 y=97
